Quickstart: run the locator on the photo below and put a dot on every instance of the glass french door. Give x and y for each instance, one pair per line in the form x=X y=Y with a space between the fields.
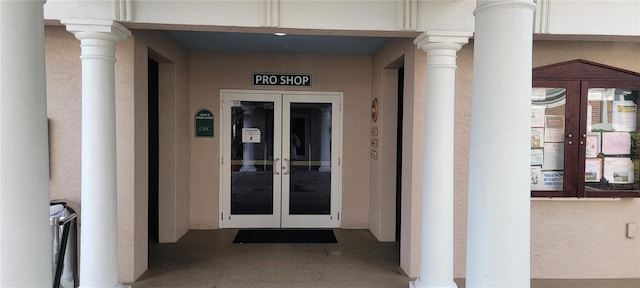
x=280 y=159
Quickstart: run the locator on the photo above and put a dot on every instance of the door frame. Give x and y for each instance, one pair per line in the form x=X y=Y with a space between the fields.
x=336 y=151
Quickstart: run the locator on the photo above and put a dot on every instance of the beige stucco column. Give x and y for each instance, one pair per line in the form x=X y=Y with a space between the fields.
x=436 y=245
x=498 y=236
x=99 y=250
x=25 y=235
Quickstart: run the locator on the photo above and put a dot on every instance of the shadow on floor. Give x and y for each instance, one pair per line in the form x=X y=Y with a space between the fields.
x=209 y=259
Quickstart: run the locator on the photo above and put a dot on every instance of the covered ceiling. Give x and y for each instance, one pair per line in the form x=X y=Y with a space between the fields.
x=212 y=41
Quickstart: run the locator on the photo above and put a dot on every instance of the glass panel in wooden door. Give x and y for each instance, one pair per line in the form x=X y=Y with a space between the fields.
x=548 y=113
x=611 y=141
x=310 y=170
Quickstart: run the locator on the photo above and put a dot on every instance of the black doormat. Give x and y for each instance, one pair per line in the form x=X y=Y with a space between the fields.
x=285 y=236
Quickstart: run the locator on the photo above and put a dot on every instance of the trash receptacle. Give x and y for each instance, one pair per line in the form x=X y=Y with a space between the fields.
x=63 y=231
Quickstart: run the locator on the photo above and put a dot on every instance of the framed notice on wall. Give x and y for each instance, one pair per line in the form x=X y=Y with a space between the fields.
x=592 y=145
x=616 y=143
x=204 y=123
x=554 y=128
x=618 y=170
x=537 y=137
x=593 y=170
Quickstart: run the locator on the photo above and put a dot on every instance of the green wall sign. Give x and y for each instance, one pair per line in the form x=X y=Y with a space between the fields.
x=204 y=123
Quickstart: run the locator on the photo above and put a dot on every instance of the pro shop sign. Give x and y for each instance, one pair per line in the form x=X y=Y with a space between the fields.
x=269 y=79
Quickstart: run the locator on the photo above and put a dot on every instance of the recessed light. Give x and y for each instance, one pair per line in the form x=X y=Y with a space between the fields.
x=280 y=34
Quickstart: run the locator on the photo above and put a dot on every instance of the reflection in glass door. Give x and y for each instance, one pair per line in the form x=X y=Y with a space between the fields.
x=310 y=180
x=284 y=154
x=250 y=161
x=252 y=156
x=311 y=126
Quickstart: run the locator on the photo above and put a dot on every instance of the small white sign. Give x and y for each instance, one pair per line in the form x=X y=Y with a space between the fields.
x=250 y=135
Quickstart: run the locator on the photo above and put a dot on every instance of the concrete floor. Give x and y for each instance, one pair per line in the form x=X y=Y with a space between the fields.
x=209 y=259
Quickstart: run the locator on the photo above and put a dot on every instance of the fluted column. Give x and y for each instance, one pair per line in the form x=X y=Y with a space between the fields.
x=99 y=251
x=325 y=140
x=436 y=250
x=248 y=153
x=498 y=236
x=25 y=237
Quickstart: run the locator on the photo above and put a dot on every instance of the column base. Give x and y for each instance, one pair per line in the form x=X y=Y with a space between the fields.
x=324 y=169
x=419 y=284
x=119 y=285
x=248 y=169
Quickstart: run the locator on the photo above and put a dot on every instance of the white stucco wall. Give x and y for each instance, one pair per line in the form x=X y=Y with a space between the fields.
x=569 y=239
x=570 y=17
x=174 y=132
x=589 y=234
x=64 y=112
x=564 y=233
x=348 y=74
x=131 y=153
x=584 y=239
x=604 y=17
x=382 y=196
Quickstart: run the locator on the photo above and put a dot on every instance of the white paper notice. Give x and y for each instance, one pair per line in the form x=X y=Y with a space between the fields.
x=553 y=156
x=616 y=143
x=552 y=180
x=618 y=170
x=624 y=116
x=536 y=178
x=537 y=157
x=250 y=135
x=592 y=145
x=589 y=117
x=537 y=116
x=554 y=128
x=537 y=137
x=538 y=94
x=593 y=170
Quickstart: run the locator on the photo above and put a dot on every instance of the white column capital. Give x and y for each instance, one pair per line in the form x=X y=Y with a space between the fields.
x=485 y=5
x=450 y=40
x=85 y=29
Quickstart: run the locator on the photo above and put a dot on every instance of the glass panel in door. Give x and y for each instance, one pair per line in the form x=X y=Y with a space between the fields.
x=251 y=177
x=611 y=144
x=547 y=138
x=252 y=158
x=310 y=158
x=310 y=182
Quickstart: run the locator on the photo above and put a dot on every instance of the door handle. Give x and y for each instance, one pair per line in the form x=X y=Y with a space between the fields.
x=275 y=166
x=284 y=166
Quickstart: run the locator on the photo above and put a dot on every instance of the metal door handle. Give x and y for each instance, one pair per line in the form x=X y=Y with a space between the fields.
x=275 y=166
x=284 y=167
